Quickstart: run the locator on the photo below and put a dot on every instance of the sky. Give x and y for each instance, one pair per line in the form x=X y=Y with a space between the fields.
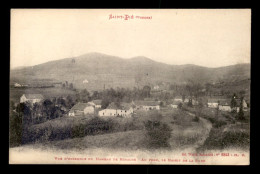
x=208 y=37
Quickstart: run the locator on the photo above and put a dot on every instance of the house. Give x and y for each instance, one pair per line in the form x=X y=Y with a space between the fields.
x=195 y=102
x=57 y=84
x=95 y=103
x=237 y=107
x=17 y=85
x=186 y=100
x=156 y=87
x=146 y=105
x=124 y=110
x=224 y=105
x=32 y=98
x=81 y=109
x=175 y=104
x=178 y=99
x=213 y=103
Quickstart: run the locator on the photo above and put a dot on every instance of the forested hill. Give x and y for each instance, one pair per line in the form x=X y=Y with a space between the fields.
x=100 y=70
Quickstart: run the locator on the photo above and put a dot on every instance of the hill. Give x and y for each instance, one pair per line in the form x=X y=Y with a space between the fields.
x=110 y=71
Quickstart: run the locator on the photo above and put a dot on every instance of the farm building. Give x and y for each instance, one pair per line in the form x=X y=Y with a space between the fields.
x=31 y=98
x=17 y=85
x=224 y=105
x=213 y=103
x=195 y=102
x=95 y=103
x=186 y=100
x=124 y=109
x=175 y=104
x=237 y=107
x=178 y=99
x=81 y=109
x=57 y=84
x=147 y=105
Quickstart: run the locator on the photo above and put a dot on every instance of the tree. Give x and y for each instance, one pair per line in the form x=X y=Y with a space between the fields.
x=157 y=133
x=183 y=97
x=71 y=86
x=95 y=95
x=84 y=96
x=146 y=91
x=190 y=102
x=104 y=103
x=208 y=87
x=47 y=108
x=15 y=129
x=161 y=104
x=233 y=101
x=12 y=107
x=180 y=105
x=69 y=101
x=240 y=115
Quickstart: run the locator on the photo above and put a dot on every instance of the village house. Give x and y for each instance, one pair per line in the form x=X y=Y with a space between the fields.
x=146 y=105
x=95 y=103
x=186 y=100
x=57 y=84
x=213 y=103
x=178 y=99
x=175 y=104
x=17 y=85
x=124 y=110
x=156 y=87
x=31 y=98
x=195 y=102
x=237 y=107
x=81 y=109
x=224 y=105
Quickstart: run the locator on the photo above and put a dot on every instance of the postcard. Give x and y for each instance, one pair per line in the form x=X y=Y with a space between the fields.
x=130 y=86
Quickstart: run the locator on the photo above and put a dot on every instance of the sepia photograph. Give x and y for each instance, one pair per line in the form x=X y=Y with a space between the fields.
x=130 y=86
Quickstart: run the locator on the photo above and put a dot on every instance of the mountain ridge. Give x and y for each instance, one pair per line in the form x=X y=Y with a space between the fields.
x=112 y=71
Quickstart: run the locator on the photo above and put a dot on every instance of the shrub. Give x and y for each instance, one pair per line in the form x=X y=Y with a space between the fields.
x=196 y=119
x=219 y=140
x=78 y=131
x=158 y=134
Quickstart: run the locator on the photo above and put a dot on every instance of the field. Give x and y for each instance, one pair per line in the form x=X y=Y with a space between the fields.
x=116 y=132
x=227 y=131
x=16 y=93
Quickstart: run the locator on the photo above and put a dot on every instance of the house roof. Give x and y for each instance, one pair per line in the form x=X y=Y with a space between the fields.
x=213 y=100
x=34 y=96
x=224 y=102
x=146 y=103
x=122 y=106
x=97 y=102
x=80 y=106
x=178 y=97
x=176 y=102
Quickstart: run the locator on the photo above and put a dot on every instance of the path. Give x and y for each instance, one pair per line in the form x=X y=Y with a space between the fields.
x=207 y=127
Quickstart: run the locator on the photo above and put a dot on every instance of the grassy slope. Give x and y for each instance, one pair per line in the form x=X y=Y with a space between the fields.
x=185 y=134
x=16 y=93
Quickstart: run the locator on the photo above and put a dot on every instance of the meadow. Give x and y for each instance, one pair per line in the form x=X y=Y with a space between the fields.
x=16 y=93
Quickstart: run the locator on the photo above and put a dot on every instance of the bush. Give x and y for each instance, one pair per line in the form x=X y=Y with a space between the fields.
x=15 y=129
x=78 y=131
x=220 y=140
x=216 y=123
x=65 y=127
x=158 y=134
x=196 y=119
